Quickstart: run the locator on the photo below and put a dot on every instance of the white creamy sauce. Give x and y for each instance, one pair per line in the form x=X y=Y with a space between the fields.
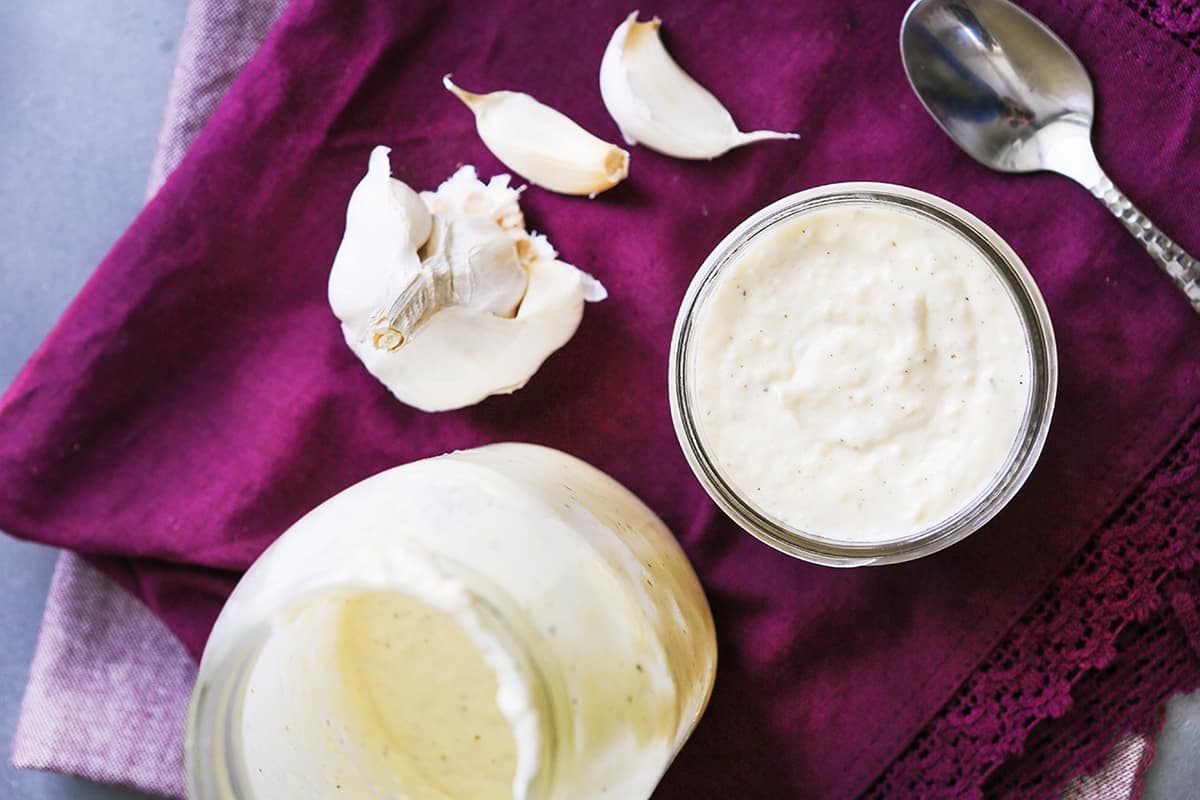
x=860 y=373
x=378 y=695
x=388 y=673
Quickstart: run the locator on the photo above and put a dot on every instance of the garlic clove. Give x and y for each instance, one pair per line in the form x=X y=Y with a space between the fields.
x=388 y=221
x=656 y=104
x=543 y=145
x=401 y=200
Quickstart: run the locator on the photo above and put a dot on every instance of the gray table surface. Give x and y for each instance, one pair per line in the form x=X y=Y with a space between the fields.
x=82 y=87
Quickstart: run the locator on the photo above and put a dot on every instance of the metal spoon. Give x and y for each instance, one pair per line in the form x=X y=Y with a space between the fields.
x=1017 y=99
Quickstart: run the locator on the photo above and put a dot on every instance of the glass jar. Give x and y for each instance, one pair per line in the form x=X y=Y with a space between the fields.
x=500 y=622
x=1034 y=321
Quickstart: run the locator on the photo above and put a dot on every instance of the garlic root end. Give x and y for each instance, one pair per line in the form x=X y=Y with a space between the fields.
x=462 y=94
x=746 y=137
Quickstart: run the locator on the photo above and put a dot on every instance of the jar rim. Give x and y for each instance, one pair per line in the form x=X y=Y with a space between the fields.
x=969 y=517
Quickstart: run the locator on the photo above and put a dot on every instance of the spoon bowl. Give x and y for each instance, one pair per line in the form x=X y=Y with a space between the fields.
x=1015 y=97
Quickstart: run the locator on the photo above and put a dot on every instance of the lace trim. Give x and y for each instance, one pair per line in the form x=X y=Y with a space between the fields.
x=1156 y=660
x=1072 y=631
x=1180 y=18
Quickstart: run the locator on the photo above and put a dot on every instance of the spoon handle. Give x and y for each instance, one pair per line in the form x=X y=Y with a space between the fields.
x=1170 y=257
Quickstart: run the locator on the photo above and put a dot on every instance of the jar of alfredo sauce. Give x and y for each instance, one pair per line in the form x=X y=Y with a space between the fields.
x=506 y=622
x=862 y=373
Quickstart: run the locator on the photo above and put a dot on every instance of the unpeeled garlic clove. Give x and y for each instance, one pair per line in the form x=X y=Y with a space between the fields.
x=543 y=145
x=656 y=104
x=400 y=198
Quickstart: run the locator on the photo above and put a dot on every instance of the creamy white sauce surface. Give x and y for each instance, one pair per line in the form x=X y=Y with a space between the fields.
x=860 y=373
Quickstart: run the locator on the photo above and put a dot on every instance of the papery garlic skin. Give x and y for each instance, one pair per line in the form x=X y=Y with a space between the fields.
x=473 y=312
x=462 y=356
x=658 y=105
x=485 y=271
x=543 y=145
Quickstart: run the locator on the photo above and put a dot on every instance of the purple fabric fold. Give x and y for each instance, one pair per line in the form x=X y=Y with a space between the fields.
x=197 y=398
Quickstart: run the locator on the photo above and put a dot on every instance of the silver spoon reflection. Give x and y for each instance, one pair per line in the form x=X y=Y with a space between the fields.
x=1017 y=99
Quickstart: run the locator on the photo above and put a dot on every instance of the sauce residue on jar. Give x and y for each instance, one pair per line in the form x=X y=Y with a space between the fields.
x=503 y=623
x=861 y=373
x=372 y=694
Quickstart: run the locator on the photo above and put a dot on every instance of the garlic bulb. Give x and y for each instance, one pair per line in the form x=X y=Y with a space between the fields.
x=543 y=145
x=656 y=104
x=445 y=296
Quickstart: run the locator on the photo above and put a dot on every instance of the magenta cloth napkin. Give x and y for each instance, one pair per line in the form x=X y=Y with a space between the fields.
x=197 y=398
x=99 y=667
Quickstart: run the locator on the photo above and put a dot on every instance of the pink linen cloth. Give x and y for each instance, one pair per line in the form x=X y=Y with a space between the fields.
x=1120 y=624
x=108 y=688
